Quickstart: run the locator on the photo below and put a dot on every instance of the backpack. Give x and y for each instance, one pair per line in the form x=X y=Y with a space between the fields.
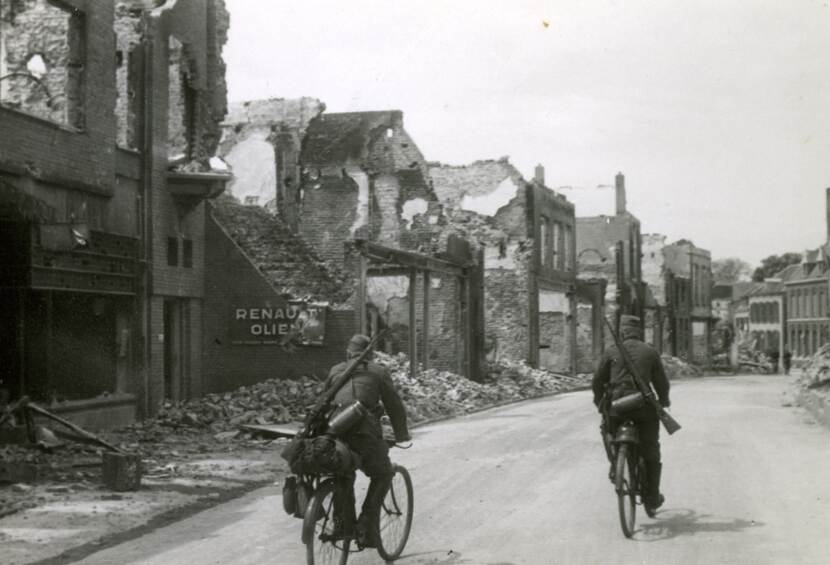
x=323 y=455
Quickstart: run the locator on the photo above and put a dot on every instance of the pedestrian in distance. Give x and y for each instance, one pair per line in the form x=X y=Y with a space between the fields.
x=370 y=384
x=612 y=381
x=774 y=356
x=786 y=359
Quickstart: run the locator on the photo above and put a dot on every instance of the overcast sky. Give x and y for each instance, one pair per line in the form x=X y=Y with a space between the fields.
x=717 y=112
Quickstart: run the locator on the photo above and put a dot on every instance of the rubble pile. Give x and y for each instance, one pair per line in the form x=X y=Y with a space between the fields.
x=677 y=368
x=815 y=374
x=433 y=393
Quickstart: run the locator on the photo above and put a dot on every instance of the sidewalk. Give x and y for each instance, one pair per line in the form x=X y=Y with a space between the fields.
x=58 y=521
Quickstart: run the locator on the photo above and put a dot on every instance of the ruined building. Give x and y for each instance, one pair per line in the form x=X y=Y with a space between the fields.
x=353 y=187
x=526 y=232
x=609 y=258
x=109 y=113
x=688 y=279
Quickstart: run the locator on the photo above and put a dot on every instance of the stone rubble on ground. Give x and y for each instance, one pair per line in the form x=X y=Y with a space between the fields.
x=677 y=368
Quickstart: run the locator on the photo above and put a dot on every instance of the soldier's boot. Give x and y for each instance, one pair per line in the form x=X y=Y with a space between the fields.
x=367 y=523
x=652 y=498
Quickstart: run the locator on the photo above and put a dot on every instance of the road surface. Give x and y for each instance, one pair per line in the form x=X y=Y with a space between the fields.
x=747 y=480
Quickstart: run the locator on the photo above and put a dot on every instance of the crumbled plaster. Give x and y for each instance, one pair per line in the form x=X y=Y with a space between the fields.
x=362 y=216
x=553 y=301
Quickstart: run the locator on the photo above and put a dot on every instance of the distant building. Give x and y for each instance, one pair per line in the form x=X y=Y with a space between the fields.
x=654 y=277
x=767 y=316
x=609 y=249
x=722 y=302
x=688 y=271
x=527 y=234
x=806 y=293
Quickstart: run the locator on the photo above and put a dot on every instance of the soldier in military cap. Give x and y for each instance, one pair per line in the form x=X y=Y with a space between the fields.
x=612 y=381
x=371 y=384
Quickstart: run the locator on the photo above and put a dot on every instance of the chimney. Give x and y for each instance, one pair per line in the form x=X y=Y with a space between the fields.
x=539 y=176
x=620 y=185
x=827 y=206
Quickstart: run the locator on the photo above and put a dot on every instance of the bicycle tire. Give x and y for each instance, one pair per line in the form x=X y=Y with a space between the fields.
x=318 y=519
x=626 y=490
x=394 y=520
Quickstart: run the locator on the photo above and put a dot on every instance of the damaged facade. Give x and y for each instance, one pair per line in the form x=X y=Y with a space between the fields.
x=609 y=250
x=99 y=223
x=526 y=232
x=353 y=188
x=688 y=279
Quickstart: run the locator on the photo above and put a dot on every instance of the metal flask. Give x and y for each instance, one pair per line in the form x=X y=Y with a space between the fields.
x=627 y=403
x=346 y=419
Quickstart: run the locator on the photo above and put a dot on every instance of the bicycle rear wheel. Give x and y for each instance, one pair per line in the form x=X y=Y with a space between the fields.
x=395 y=519
x=319 y=521
x=626 y=489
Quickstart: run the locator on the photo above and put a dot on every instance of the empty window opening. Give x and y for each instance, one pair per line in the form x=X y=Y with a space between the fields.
x=187 y=253
x=172 y=251
x=181 y=108
x=42 y=60
x=128 y=35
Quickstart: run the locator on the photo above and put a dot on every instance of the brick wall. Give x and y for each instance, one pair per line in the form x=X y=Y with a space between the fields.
x=328 y=213
x=506 y=308
x=232 y=280
x=76 y=159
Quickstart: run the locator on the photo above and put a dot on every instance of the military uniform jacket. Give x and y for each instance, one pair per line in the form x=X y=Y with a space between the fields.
x=371 y=384
x=611 y=373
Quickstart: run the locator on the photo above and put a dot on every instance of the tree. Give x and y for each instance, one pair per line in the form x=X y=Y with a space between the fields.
x=730 y=270
x=773 y=264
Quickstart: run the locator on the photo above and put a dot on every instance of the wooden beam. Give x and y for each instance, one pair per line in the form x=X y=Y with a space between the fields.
x=425 y=334
x=413 y=328
x=409 y=259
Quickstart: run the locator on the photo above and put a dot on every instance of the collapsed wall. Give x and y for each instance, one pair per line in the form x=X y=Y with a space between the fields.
x=272 y=308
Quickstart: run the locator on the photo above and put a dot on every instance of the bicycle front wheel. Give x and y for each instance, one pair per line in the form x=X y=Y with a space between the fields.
x=395 y=519
x=626 y=489
x=319 y=523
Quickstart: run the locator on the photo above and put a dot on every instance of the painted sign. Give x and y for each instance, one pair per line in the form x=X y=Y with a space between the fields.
x=295 y=323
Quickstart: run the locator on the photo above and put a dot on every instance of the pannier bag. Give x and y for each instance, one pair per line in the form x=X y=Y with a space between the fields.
x=628 y=403
x=289 y=495
x=323 y=455
x=295 y=496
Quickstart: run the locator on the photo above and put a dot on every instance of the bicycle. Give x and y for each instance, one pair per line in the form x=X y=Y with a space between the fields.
x=392 y=525
x=628 y=474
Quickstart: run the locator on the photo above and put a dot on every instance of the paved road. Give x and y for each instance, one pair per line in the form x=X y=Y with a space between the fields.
x=747 y=481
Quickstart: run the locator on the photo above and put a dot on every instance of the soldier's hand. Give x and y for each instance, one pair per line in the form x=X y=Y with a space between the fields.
x=665 y=402
x=403 y=438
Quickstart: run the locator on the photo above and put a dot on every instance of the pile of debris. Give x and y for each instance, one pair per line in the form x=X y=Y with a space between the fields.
x=815 y=374
x=434 y=394
x=677 y=368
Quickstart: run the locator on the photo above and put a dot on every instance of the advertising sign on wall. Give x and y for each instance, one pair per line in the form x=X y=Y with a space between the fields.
x=295 y=323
